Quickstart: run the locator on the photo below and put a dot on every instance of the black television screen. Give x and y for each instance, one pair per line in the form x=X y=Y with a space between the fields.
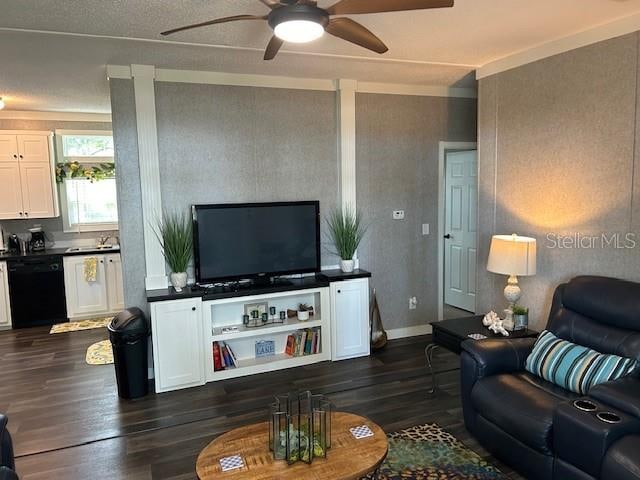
x=238 y=241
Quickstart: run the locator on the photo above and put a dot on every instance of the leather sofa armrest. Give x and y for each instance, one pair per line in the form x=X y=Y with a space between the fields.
x=623 y=394
x=6 y=445
x=494 y=356
x=7 y=474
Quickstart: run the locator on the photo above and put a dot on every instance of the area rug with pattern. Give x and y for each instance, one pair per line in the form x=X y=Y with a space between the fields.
x=80 y=325
x=426 y=452
x=100 y=353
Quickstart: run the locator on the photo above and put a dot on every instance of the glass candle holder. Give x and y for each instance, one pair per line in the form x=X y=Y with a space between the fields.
x=300 y=427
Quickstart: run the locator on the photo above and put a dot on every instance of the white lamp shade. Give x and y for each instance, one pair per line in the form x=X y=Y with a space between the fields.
x=512 y=255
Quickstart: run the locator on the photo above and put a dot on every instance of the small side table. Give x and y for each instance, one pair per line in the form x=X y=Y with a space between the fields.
x=449 y=334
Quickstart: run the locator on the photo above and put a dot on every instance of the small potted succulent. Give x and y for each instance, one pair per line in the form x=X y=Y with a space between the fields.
x=304 y=311
x=520 y=317
x=347 y=231
x=174 y=232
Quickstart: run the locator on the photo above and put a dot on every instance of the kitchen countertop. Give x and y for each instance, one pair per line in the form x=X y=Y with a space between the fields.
x=62 y=252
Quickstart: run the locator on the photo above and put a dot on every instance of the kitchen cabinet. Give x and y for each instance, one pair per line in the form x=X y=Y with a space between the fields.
x=177 y=344
x=115 y=289
x=27 y=169
x=350 y=319
x=5 y=306
x=100 y=297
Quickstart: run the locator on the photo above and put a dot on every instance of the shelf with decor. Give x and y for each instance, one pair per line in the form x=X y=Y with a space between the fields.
x=230 y=313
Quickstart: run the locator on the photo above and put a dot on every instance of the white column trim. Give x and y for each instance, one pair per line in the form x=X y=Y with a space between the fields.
x=346 y=98
x=347 y=141
x=145 y=99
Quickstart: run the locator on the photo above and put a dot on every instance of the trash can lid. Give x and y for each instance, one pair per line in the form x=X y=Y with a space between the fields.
x=130 y=320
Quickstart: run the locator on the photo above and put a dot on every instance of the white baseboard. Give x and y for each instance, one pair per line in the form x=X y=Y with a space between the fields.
x=408 y=332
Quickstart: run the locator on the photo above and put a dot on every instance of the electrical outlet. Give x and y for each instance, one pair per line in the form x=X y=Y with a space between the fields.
x=398 y=215
x=413 y=303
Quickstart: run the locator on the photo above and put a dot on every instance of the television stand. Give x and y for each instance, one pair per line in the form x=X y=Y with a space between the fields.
x=188 y=326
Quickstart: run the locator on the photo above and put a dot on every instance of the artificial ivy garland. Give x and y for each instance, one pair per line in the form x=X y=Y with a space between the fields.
x=91 y=173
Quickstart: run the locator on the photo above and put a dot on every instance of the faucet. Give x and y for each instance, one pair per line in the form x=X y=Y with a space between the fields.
x=103 y=239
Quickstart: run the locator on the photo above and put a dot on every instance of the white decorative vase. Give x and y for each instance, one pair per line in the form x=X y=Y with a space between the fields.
x=178 y=280
x=346 y=266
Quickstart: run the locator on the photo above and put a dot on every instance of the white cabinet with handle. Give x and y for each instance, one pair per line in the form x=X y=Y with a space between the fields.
x=27 y=175
x=5 y=307
x=115 y=289
x=178 y=341
x=350 y=319
x=101 y=296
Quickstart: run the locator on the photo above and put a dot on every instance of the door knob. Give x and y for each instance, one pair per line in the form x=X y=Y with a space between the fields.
x=193 y=309
x=447 y=236
x=15 y=156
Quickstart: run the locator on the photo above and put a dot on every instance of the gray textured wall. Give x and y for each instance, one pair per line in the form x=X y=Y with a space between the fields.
x=221 y=144
x=53 y=226
x=397 y=140
x=557 y=157
x=129 y=195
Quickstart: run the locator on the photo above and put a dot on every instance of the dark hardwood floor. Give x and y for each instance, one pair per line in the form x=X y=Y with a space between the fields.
x=68 y=423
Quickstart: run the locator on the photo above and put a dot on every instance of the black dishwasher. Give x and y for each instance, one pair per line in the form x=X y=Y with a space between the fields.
x=36 y=291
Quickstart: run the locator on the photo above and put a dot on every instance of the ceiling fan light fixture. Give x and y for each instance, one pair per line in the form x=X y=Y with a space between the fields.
x=299 y=31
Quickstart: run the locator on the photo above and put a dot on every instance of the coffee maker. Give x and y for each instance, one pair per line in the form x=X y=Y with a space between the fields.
x=38 y=238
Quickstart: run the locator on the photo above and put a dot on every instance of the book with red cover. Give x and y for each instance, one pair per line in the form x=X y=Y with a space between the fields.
x=217 y=359
x=291 y=345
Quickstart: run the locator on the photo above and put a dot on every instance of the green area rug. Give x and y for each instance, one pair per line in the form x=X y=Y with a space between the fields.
x=427 y=452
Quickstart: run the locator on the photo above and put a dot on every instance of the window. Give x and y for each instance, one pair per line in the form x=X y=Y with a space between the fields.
x=89 y=199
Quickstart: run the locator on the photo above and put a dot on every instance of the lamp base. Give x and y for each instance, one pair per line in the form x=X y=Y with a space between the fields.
x=512 y=293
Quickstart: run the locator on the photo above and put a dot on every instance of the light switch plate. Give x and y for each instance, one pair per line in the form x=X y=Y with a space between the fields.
x=398 y=214
x=425 y=229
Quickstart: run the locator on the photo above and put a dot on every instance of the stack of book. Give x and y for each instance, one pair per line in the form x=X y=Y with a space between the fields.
x=223 y=357
x=303 y=342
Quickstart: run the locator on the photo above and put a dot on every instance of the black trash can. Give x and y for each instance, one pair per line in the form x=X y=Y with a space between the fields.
x=128 y=332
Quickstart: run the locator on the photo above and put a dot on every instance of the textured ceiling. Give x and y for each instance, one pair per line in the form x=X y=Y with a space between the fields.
x=436 y=47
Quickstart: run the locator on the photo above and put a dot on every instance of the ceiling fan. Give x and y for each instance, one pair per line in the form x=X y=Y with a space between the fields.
x=302 y=21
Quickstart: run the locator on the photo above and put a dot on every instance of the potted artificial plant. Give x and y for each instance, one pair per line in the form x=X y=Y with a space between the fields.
x=347 y=231
x=175 y=235
x=520 y=317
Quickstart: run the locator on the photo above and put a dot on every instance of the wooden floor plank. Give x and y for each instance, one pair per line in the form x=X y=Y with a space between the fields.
x=67 y=421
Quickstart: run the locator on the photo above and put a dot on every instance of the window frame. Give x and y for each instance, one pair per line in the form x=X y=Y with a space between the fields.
x=67 y=227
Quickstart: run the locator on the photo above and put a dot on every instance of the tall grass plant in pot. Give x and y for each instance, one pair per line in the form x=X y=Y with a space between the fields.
x=347 y=231
x=175 y=234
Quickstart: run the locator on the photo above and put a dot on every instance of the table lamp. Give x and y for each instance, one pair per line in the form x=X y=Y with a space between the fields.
x=514 y=256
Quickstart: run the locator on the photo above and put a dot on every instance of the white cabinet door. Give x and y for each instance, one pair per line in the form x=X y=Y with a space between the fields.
x=176 y=329
x=33 y=148
x=37 y=190
x=8 y=148
x=85 y=299
x=5 y=307
x=115 y=290
x=350 y=319
x=10 y=191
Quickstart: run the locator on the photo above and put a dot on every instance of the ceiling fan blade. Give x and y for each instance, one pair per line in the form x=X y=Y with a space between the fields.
x=235 y=18
x=354 y=7
x=271 y=3
x=273 y=48
x=353 y=32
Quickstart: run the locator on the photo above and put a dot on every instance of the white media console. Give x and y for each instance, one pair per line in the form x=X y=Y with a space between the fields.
x=186 y=325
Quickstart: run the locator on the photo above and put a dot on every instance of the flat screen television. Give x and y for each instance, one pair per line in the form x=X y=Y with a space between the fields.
x=255 y=241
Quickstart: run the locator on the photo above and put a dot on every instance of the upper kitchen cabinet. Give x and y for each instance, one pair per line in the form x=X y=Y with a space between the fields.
x=27 y=175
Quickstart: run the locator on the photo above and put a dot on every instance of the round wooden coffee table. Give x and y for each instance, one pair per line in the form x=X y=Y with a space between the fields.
x=347 y=459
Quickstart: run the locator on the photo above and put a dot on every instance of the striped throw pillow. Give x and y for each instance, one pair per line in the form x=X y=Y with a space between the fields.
x=572 y=366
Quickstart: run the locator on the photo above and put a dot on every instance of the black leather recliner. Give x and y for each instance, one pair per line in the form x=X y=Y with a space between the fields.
x=534 y=425
x=7 y=465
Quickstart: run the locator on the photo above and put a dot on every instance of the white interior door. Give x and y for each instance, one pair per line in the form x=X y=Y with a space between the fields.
x=461 y=213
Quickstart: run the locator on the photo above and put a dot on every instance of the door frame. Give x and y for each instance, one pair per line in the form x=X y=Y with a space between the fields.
x=443 y=149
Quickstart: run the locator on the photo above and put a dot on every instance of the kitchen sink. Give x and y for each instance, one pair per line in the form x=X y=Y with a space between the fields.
x=97 y=248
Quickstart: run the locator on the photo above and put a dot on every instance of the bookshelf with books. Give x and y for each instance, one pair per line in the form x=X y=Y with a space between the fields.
x=232 y=344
